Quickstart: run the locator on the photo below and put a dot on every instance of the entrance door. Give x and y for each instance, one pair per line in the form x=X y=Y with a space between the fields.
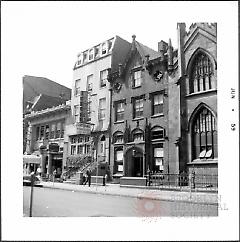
x=138 y=166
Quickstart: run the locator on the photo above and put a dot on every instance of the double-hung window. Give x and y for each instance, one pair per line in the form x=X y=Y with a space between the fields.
x=157 y=104
x=77 y=87
x=89 y=82
x=58 y=133
x=138 y=107
x=119 y=111
x=158 y=157
x=90 y=55
x=102 y=108
x=76 y=113
x=103 y=78
x=137 y=79
x=119 y=159
x=52 y=134
x=104 y=48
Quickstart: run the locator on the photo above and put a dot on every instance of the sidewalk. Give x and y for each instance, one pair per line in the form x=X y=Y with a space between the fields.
x=141 y=193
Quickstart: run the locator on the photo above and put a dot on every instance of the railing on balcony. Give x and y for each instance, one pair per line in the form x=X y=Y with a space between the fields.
x=184 y=181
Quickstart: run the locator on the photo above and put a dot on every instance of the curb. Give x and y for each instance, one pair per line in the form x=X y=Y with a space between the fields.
x=139 y=196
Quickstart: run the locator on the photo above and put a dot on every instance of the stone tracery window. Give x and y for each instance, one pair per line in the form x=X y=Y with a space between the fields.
x=204 y=135
x=201 y=76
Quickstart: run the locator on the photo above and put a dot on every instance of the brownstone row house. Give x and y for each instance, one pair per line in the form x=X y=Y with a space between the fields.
x=164 y=106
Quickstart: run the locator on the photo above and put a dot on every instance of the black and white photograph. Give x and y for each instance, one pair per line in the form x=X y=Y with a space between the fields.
x=119 y=120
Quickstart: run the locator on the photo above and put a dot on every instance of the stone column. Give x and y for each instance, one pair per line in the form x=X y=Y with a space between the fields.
x=49 y=169
x=29 y=136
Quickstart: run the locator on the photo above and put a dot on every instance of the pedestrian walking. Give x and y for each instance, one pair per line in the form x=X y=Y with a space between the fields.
x=88 y=177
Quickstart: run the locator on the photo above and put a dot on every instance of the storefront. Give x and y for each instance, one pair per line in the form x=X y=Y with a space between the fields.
x=31 y=163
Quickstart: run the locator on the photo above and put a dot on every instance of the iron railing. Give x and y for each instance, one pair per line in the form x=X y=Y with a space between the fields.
x=195 y=182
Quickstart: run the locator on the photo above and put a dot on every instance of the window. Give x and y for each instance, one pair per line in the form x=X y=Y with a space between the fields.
x=76 y=113
x=137 y=79
x=79 y=61
x=47 y=132
x=96 y=51
x=87 y=138
x=201 y=74
x=52 y=134
x=84 y=57
x=118 y=137
x=42 y=132
x=77 y=87
x=118 y=160
x=73 y=140
x=73 y=149
x=58 y=132
x=89 y=83
x=137 y=108
x=119 y=109
x=158 y=157
x=103 y=78
x=157 y=133
x=204 y=135
x=80 y=149
x=88 y=149
x=104 y=48
x=90 y=56
x=157 y=104
x=80 y=139
x=102 y=108
x=137 y=135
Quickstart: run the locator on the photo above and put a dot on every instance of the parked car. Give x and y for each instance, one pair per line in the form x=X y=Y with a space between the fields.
x=27 y=181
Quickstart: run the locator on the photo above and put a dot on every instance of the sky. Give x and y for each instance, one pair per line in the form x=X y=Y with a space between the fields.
x=50 y=34
x=44 y=38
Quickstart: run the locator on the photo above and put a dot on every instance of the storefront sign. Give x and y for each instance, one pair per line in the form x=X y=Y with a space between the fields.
x=83 y=128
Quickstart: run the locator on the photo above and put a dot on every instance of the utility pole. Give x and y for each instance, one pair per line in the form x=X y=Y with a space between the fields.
x=31 y=196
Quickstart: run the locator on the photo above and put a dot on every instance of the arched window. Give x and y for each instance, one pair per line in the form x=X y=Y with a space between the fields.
x=118 y=137
x=157 y=133
x=201 y=74
x=204 y=135
x=137 y=135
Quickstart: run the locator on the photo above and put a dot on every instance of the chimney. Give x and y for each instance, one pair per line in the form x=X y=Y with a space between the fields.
x=170 y=55
x=181 y=30
x=162 y=48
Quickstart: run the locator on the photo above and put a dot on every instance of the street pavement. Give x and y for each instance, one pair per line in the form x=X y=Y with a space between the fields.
x=207 y=198
x=48 y=202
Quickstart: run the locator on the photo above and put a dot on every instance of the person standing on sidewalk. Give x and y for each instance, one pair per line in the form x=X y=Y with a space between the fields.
x=88 y=177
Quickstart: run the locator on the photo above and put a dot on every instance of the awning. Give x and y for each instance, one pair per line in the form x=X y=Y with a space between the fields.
x=31 y=159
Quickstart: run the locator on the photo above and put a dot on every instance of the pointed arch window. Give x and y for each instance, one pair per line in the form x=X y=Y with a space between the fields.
x=204 y=135
x=137 y=135
x=118 y=138
x=201 y=76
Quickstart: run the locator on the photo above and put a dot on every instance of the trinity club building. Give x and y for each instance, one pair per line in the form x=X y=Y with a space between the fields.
x=136 y=110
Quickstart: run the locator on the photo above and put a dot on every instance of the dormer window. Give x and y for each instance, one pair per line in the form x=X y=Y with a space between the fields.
x=84 y=57
x=137 y=79
x=90 y=56
x=104 y=48
x=96 y=51
x=79 y=61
